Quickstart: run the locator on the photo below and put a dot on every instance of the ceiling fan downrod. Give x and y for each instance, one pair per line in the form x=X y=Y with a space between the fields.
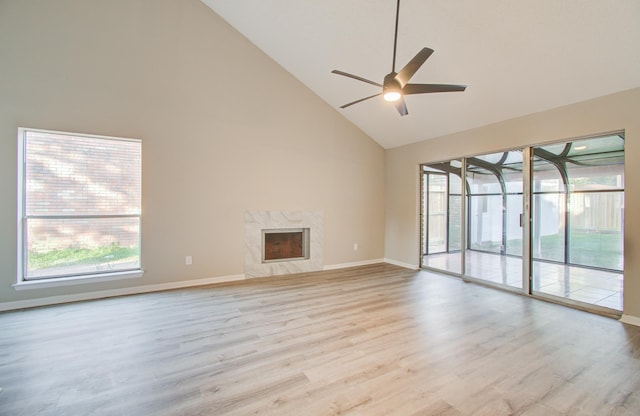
x=395 y=38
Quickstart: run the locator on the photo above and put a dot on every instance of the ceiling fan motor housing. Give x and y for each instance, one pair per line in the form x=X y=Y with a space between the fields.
x=391 y=83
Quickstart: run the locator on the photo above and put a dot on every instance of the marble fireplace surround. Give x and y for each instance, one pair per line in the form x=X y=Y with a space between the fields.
x=256 y=221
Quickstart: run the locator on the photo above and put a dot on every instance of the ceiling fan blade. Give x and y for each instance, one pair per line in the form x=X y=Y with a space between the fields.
x=401 y=106
x=429 y=88
x=360 y=100
x=345 y=74
x=414 y=64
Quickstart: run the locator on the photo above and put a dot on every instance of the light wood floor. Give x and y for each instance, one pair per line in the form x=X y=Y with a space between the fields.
x=375 y=340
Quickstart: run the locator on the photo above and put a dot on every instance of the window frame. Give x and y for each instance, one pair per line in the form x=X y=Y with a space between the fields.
x=22 y=218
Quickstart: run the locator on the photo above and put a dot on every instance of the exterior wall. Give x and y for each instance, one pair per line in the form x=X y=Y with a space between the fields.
x=606 y=114
x=224 y=130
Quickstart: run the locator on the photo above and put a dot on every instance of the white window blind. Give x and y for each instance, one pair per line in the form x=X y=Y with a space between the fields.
x=81 y=204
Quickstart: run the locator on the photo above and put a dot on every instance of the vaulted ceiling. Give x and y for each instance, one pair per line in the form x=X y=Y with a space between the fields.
x=517 y=57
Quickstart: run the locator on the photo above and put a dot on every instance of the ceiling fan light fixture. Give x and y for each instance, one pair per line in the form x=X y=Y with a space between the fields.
x=392 y=95
x=391 y=88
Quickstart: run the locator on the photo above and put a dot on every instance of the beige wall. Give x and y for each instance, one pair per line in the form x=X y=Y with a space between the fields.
x=224 y=130
x=606 y=114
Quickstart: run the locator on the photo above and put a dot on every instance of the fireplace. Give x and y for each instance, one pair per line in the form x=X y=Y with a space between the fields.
x=298 y=248
x=286 y=244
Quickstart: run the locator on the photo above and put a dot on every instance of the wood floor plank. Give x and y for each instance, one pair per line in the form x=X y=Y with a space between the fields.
x=372 y=340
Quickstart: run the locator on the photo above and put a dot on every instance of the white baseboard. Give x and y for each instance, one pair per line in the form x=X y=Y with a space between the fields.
x=631 y=320
x=352 y=264
x=54 y=300
x=401 y=264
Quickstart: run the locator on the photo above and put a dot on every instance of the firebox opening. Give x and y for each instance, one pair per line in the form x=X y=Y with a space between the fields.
x=285 y=244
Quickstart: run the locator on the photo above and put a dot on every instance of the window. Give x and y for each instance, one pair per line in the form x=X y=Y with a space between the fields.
x=79 y=206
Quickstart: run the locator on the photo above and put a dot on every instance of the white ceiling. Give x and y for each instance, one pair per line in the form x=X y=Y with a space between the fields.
x=517 y=57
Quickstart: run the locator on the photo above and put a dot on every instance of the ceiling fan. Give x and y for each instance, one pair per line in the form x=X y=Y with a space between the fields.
x=396 y=85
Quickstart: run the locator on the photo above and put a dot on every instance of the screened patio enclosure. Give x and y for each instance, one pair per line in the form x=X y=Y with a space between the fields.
x=546 y=220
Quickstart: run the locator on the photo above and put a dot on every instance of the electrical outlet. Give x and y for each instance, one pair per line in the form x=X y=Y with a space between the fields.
x=355 y=246
x=188 y=260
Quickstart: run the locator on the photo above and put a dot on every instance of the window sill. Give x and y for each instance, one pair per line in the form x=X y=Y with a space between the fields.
x=77 y=280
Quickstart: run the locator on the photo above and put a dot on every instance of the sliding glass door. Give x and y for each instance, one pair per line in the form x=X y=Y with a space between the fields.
x=494 y=201
x=545 y=220
x=578 y=216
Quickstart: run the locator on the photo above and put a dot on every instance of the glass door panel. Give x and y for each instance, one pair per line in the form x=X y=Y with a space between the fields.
x=494 y=201
x=577 y=220
x=441 y=215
